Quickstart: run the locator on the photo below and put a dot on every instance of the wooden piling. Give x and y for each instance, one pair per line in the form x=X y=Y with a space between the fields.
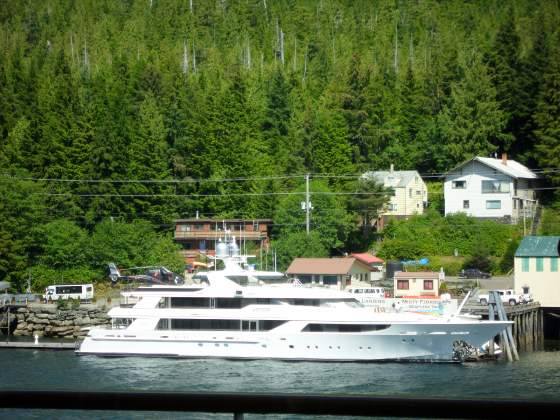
x=493 y=339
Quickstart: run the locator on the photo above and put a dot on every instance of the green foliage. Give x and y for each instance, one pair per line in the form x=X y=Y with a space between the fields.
x=432 y=234
x=550 y=222
x=62 y=304
x=43 y=276
x=480 y=259
x=298 y=244
x=328 y=219
x=248 y=93
x=63 y=244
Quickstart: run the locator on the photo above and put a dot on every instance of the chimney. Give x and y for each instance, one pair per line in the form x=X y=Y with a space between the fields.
x=392 y=168
x=504 y=159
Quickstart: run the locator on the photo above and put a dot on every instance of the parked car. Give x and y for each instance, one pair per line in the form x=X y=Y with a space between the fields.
x=507 y=296
x=474 y=273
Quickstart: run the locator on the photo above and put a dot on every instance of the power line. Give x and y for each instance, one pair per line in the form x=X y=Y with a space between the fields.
x=237 y=179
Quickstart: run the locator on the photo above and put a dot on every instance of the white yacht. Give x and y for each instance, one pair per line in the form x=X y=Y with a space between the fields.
x=221 y=318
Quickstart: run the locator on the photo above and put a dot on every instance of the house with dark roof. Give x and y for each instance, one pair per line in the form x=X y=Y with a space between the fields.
x=333 y=272
x=536 y=269
x=410 y=194
x=491 y=188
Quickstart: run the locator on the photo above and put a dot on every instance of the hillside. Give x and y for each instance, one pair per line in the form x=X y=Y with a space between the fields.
x=156 y=109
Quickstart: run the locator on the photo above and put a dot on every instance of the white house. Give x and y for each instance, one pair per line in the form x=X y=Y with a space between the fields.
x=491 y=188
x=410 y=192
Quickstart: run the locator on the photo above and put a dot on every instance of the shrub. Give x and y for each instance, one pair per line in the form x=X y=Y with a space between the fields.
x=61 y=304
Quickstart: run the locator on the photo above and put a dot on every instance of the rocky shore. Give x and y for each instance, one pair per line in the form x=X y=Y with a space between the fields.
x=48 y=321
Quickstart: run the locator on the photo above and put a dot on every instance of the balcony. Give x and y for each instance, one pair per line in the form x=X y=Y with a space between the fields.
x=214 y=235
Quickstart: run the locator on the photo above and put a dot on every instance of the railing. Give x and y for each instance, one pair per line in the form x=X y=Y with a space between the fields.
x=313 y=405
x=210 y=235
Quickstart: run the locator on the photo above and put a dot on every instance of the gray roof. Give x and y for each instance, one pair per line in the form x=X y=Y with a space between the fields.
x=511 y=168
x=394 y=179
x=539 y=246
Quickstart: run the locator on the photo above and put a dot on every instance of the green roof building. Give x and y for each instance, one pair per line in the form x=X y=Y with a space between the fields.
x=536 y=268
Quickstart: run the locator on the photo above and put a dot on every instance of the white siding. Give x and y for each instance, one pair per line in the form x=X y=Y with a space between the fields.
x=473 y=174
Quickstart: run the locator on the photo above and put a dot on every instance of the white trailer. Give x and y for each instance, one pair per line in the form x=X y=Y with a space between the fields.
x=83 y=292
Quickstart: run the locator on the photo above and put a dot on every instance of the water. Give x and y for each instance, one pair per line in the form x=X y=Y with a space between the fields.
x=535 y=376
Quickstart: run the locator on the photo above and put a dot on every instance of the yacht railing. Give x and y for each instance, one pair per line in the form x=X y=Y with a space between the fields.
x=273 y=404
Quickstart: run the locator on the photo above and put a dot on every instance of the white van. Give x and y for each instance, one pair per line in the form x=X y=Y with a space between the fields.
x=367 y=295
x=69 y=291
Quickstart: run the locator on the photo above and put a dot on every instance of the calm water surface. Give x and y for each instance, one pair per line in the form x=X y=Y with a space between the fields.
x=536 y=376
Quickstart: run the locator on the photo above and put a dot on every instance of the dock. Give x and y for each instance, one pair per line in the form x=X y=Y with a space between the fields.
x=528 y=322
x=39 y=346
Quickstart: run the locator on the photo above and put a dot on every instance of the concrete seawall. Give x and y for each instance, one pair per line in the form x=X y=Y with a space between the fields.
x=48 y=321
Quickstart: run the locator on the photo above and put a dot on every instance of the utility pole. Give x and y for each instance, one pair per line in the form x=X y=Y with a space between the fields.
x=307 y=204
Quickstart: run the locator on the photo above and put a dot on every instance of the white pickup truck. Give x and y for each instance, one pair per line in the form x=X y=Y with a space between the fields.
x=508 y=296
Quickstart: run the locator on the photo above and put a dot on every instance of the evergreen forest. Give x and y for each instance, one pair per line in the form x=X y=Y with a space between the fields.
x=118 y=117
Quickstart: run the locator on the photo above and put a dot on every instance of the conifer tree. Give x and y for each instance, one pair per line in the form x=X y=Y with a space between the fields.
x=547 y=120
x=472 y=123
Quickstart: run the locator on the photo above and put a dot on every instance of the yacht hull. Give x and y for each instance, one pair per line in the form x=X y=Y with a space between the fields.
x=419 y=342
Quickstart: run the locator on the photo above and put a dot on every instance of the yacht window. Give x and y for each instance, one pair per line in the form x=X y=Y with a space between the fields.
x=122 y=322
x=344 y=327
x=204 y=324
x=272 y=279
x=228 y=303
x=163 y=324
x=306 y=302
x=218 y=324
x=267 y=325
x=241 y=280
x=190 y=302
x=200 y=278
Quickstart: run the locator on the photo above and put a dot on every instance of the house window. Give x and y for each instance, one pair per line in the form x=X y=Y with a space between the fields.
x=392 y=207
x=410 y=193
x=459 y=185
x=198 y=227
x=540 y=264
x=492 y=187
x=418 y=192
x=304 y=278
x=554 y=264
x=493 y=204
x=466 y=204
x=428 y=285
x=330 y=280
x=185 y=228
x=525 y=264
x=402 y=285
